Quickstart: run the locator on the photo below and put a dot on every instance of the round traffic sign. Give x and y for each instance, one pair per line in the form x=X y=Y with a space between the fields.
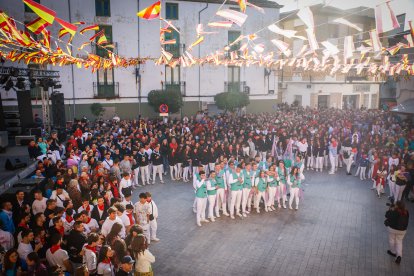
x=163 y=108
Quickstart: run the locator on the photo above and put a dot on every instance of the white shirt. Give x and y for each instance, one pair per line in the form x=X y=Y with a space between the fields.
x=106 y=269
x=80 y=209
x=124 y=184
x=153 y=209
x=90 y=259
x=144 y=261
x=108 y=163
x=6 y=240
x=125 y=219
x=92 y=224
x=141 y=211
x=107 y=226
x=39 y=206
x=57 y=258
x=24 y=250
x=302 y=147
x=61 y=198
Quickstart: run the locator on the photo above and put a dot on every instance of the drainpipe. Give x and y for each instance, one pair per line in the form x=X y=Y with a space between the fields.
x=138 y=70
x=73 y=74
x=199 y=55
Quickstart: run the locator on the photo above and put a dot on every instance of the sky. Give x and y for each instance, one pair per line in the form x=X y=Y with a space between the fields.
x=399 y=6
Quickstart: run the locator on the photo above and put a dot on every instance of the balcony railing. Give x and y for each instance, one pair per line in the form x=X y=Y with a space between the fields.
x=100 y=51
x=103 y=90
x=174 y=86
x=234 y=86
x=174 y=49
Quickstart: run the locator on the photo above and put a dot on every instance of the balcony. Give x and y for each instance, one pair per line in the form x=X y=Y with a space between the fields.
x=103 y=90
x=174 y=86
x=234 y=86
x=100 y=50
x=174 y=49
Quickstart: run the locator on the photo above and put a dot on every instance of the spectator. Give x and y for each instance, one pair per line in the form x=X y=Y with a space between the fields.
x=6 y=217
x=11 y=264
x=56 y=256
x=35 y=266
x=397 y=222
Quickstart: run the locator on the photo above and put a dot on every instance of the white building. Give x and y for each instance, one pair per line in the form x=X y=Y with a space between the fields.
x=122 y=91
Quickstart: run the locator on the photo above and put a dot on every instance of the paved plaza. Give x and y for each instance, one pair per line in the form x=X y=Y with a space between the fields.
x=338 y=230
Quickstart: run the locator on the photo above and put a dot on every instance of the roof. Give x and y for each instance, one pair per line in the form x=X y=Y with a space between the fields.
x=406 y=107
x=260 y=3
x=321 y=8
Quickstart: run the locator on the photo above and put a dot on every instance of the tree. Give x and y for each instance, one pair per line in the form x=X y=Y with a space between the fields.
x=172 y=98
x=97 y=109
x=231 y=101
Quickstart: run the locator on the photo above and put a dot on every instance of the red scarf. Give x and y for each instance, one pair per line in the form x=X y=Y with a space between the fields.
x=89 y=220
x=87 y=208
x=23 y=225
x=91 y=248
x=69 y=219
x=61 y=230
x=106 y=261
x=54 y=248
x=101 y=207
x=131 y=220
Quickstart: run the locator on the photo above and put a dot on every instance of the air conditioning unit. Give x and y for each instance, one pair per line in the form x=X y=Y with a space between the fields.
x=309 y=86
x=282 y=85
x=271 y=92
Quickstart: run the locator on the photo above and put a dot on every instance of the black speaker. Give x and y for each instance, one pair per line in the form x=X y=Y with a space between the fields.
x=15 y=164
x=25 y=109
x=58 y=110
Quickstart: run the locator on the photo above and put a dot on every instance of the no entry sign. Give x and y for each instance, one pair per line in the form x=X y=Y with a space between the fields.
x=163 y=108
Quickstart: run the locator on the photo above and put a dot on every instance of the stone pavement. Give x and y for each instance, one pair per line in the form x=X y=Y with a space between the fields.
x=338 y=230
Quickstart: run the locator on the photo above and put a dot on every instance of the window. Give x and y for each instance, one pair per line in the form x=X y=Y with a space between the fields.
x=27 y=9
x=233 y=79
x=103 y=7
x=297 y=100
x=232 y=36
x=173 y=48
x=108 y=33
x=171 y=11
x=172 y=75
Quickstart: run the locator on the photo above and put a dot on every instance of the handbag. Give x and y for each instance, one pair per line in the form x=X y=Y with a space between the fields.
x=151 y=216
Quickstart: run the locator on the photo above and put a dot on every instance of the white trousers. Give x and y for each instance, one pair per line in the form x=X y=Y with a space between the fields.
x=146 y=231
x=319 y=162
x=392 y=185
x=157 y=169
x=205 y=168
x=259 y=196
x=332 y=161
x=263 y=155
x=246 y=200
x=221 y=201
x=145 y=176
x=173 y=172
x=398 y=192
x=235 y=202
x=136 y=176
x=153 y=227
x=310 y=162
x=211 y=166
x=185 y=173
x=395 y=240
x=201 y=209
x=362 y=173
x=294 y=194
x=272 y=195
x=211 y=203
x=281 y=194
x=348 y=163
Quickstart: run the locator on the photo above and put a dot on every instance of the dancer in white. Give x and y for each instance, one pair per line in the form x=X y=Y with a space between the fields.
x=260 y=184
x=294 y=182
x=236 y=180
x=221 y=190
x=211 y=193
x=247 y=188
x=201 y=198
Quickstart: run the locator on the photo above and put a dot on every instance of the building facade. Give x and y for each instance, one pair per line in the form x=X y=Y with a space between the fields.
x=123 y=91
x=320 y=90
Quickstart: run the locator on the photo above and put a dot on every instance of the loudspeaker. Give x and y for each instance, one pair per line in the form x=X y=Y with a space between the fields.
x=14 y=165
x=25 y=109
x=58 y=110
x=2 y=122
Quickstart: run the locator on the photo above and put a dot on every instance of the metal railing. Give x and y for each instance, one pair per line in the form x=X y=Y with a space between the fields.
x=174 y=49
x=234 y=86
x=174 y=86
x=103 y=90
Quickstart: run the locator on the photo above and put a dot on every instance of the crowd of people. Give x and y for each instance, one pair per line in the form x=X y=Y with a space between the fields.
x=82 y=219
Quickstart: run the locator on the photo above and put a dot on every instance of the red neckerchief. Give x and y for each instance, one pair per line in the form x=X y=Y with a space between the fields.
x=107 y=261
x=54 y=248
x=131 y=220
x=87 y=208
x=89 y=220
x=91 y=248
x=61 y=230
x=69 y=219
x=101 y=208
x=23 y=225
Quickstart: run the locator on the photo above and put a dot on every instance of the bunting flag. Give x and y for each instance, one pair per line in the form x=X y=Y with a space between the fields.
x=302 y=51
x=287 y=33
x=259 y=48
x=46 y=38
x=411 y=30
x=236 y=17
x=306 y=15
x=70 y=28
x=282 y=46
x=221 y=24
x=43 y=12
x=347 y=23
x=98 y=34
x=200 y=31
x=195 y=43
x=37 y=25
x=385 y=19
x=168 y=56
x=349 y=47
x=242 y=5
x=150 y=12
x=102 y=40
x=313 y=43
x=332 y=49
x=257 y=8
x=169 y=25
x=83 y=45
x=375 y=41
x=89 y=28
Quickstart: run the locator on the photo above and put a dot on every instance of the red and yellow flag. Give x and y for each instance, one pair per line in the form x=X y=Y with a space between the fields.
x=242 y=5
x=150 y=12
x=98 y=34
x=70 y=28
x=45 y=13
x=89 y=28
x=102 y=40
x=37 y=25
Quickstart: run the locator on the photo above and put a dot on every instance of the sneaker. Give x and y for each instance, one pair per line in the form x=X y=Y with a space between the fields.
x=373 y=188
x=284 y=206
x=398 y=260
x=331 y=173
x=297 y=208
x=244 y=215
x=226 y=214
x=153 y=183
x=217 y=216
x=232 y=217
x=392 y=254
x=258 y=211
x=155 y=239
x=273 y=208
x=248 y=212
x=240 y=215
x=266 y=210
x=212 y=219
x=199 y=224
x=162 y=182
x=204 y=220
x=290 y=208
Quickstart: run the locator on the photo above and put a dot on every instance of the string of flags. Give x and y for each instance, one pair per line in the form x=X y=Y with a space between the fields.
x=247 y=50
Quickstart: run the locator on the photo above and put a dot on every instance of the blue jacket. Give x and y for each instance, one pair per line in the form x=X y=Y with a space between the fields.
x=7 y=222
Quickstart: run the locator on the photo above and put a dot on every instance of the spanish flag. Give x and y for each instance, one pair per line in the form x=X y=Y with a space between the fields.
x=67 y=26
x=89 y=28
x=150 y=12
x=45 y=13
x=37 y=25
x=242 y=5
x=102 y=40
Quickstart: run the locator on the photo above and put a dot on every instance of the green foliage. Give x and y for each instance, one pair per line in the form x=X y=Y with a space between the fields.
x=172 y=98
x=97 y=109
x=231 y=100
